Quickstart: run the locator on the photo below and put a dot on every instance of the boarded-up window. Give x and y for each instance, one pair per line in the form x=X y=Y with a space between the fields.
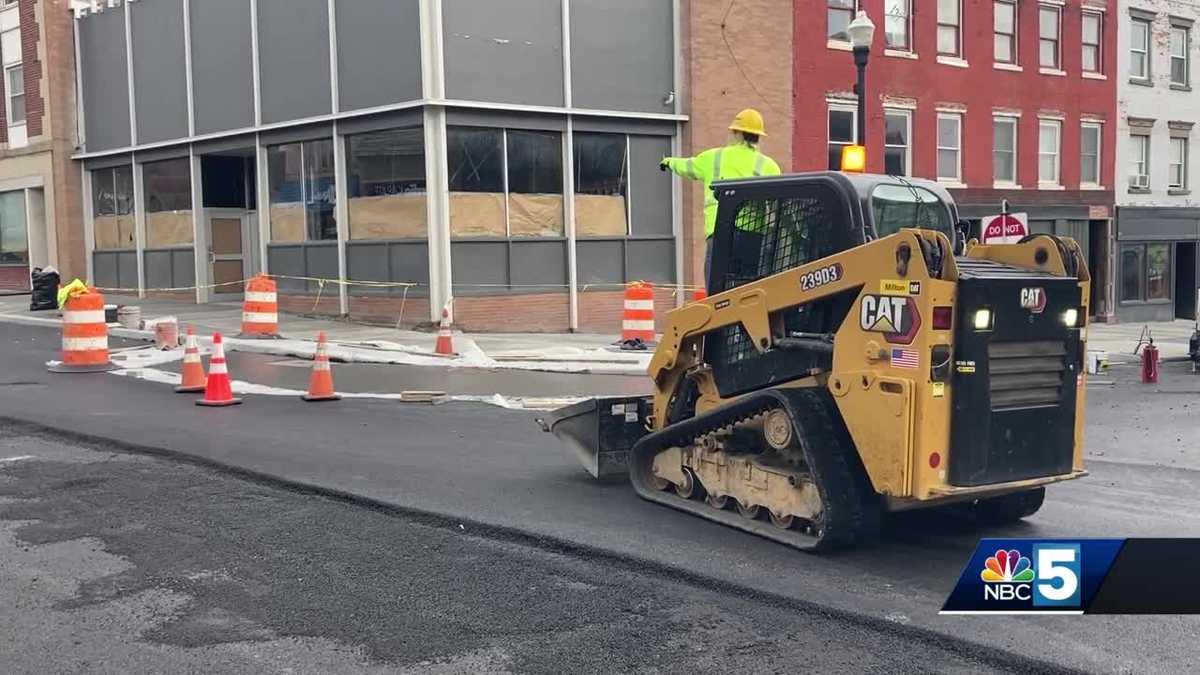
x=386 y=184
x=168 y=197
x=303 y=196
x=112 y=209
x=535 y=184
x=476 y=166
x=601 y=185
x=505 y=183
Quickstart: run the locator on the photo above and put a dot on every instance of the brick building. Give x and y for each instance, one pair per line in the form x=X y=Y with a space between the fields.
x=40 y=197
x=998 y=99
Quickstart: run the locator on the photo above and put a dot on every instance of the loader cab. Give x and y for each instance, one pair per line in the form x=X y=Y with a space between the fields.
x=766 y=226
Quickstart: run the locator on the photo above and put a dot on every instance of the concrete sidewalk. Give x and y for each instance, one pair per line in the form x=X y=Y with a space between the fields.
x=362 y=343
x=1121 y=339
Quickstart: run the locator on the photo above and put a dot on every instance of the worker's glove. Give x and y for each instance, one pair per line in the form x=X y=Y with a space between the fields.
x=662 y=166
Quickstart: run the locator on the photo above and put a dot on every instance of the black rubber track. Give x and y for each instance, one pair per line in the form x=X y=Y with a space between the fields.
x=851 y=508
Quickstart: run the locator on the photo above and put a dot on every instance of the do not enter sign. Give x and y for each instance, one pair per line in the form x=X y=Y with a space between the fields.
x=1005 y=229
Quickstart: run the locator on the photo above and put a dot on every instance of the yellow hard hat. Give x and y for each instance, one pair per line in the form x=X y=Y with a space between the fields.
x=749 y=121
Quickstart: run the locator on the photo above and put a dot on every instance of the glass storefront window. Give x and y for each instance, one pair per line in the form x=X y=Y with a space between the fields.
x=489 y=198
x=476 y=167
x=168 y=198
x=386 y=184
x=535 y=184
x=1145 y=272
x=601 y=185
x=303 y=196
x=112 y=208
x=14 y=240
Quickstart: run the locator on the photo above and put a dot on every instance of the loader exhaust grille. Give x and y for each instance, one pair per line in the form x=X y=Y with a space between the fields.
x=1026 y=374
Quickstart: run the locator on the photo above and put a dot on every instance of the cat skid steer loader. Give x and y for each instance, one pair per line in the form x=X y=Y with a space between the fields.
x=849 y=363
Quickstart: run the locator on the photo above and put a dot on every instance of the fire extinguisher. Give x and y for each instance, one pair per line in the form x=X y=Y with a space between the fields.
x=1150 y=363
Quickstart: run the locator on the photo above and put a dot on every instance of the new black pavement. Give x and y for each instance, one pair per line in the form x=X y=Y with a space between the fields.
x=490 y=466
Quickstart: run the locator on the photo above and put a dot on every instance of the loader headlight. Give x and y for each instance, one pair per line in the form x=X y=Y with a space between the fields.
x=982 y=319
x=1071 y=318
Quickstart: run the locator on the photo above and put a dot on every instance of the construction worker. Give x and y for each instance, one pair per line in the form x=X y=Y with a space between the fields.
x=741 y=158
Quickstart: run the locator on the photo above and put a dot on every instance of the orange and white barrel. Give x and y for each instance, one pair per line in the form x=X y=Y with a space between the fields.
x=260 y=309
x=637 y=321
x=84 y=336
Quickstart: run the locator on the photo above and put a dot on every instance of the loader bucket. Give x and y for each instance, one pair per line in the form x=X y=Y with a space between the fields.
x=600 y=431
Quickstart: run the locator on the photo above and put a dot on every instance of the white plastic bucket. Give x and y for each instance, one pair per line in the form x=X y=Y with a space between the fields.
x=130 y=316
x=1097 y=361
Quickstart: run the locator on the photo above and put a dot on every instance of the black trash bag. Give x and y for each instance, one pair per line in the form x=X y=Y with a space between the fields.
x=45 y=289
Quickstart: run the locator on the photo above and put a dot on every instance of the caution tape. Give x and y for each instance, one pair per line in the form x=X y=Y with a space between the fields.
x=406 y=285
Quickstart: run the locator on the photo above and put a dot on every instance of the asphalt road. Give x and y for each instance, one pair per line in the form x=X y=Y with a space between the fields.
x=120 y=563
x=493 y=471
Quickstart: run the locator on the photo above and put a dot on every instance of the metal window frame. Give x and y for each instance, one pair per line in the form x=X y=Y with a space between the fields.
x=1016 y=127
x=958 y=123
x=908 y=28
x=1182 y=163
x=1085 y=13
x=1057 y=125
x=958 y=35
x=1058 y=34
x=8 y=95
x=1098 y=127
x=1144 y=51
x=907 y=113
x=1186 y=57
x=841 y=107
x=1013 y=37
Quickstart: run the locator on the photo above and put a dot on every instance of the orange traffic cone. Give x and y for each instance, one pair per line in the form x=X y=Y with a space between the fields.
x=219 y=391
x=193 y=369
x=445 y=341
x=320 y=385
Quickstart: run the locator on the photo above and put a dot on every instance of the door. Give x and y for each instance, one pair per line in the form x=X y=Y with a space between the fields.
x=226 y=253
x=1185 y=280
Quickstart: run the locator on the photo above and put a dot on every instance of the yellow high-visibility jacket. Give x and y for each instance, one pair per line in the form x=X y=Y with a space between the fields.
x=739 y=160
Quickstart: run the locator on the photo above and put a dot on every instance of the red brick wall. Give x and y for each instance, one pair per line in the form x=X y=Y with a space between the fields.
x=14 y=277
x=30 y=37
x=821 y=71
x=409 y=312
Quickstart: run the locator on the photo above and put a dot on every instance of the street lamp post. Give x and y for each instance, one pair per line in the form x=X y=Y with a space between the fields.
x=862 y=33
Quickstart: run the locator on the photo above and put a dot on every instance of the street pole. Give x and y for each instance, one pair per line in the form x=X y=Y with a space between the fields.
x=861 y=54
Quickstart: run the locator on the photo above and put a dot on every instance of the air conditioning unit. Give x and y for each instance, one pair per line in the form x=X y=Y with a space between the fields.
x=1140 y=181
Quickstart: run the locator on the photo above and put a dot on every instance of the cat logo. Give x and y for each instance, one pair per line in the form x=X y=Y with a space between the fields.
x=893 y=315
x=1034 y=299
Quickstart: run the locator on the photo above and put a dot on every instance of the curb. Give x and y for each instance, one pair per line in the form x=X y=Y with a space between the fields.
x=992 y=656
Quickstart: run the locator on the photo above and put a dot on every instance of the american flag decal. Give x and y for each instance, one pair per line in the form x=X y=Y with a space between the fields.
x=905 y=358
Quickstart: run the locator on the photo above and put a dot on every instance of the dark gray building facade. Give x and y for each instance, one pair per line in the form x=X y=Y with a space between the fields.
x=427 y=150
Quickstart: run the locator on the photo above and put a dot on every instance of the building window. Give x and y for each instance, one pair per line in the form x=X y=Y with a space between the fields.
x=14 y=238
x=1004 y=150
x=1049 y=144
x=303 y=197
x=1177 y=169
x=840 y=13
x=843 y=128
x=949 y=147
x=168 y=201
x=1145 y=272
x=949 y=25
x=897 y=25
x=1049 y=25
x=1139 y=49
x=1093 y=25
x=1089 y=154
x=505 y=183
x=1139 y=172
x=112 y=209
x=601 y=185
x=385 y=184
x=1004 y=27
x=896 y=142
x=1181 y=39
x=15 y=90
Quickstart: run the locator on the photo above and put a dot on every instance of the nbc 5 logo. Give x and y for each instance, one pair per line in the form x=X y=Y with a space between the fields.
x=1050 y=579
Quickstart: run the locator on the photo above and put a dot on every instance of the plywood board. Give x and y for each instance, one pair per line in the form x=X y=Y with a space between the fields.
x=388 y=217
x=477 y=214
x=226 y=271
x=600 y=216
x=114 y=232
x=226 y=236
x=287 y=222
x=168 y=228
x=535 y=215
